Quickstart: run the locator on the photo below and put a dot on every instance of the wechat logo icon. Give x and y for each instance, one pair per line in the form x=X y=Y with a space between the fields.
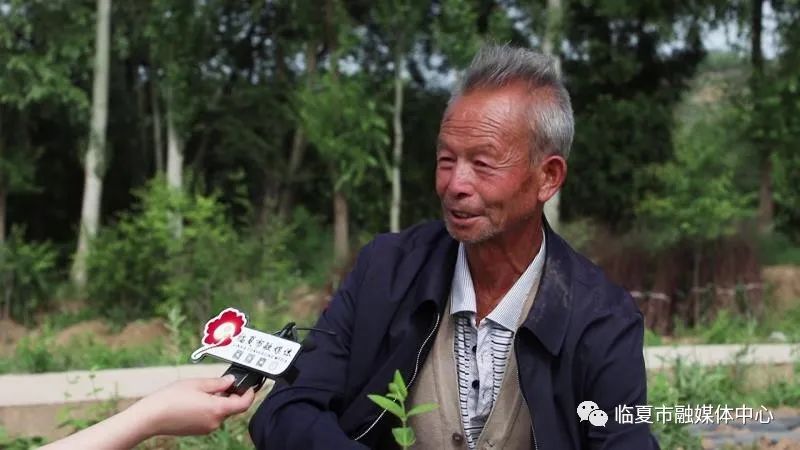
x=589 y=410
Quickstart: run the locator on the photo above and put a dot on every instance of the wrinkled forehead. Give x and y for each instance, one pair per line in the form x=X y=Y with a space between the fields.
x=487 y=113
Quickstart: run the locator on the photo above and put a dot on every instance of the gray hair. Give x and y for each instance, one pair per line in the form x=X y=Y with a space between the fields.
x=551 y=121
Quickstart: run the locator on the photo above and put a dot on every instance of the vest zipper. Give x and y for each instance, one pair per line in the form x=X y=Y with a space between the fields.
x=413 y=376
x=522 y=389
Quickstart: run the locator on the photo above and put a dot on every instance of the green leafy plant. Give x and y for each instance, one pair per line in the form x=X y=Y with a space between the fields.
x=19 y=443
x=99 y=410
x=27 y=276
x=140 y=267
x=395 y=403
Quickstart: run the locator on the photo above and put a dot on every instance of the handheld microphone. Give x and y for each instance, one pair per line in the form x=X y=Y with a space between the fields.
x=253 y=354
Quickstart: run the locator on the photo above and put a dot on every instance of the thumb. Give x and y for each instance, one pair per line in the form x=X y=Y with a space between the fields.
x=238 y=403
x=215 y=385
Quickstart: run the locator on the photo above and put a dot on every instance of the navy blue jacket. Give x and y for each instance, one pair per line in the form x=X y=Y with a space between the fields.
x=582 y=340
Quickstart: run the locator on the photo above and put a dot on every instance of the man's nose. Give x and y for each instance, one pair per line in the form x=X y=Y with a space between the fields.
x=462 y=182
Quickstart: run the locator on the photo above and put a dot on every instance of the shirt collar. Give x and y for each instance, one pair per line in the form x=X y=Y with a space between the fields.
x=507 y=312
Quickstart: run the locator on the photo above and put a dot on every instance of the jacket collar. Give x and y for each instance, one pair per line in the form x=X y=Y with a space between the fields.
x=549 y=316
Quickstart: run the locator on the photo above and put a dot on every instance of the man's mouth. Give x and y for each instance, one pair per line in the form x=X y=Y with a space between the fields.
x=461 y=214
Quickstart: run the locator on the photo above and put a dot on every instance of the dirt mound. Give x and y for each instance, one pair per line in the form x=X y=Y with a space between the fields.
x=784 y=281
x=140 y=333
x=98 y=330
x=10 y=333
x=783 y=444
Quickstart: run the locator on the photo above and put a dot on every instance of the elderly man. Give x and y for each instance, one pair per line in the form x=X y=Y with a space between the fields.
x=488 y=313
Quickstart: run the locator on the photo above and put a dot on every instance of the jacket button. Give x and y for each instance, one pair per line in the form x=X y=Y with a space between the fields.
x=458 y=439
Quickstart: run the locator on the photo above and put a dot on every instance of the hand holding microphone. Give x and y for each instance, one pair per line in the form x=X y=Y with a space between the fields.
x=192 y=406
x=253 y=354
x=200 y=405
x=185 y=407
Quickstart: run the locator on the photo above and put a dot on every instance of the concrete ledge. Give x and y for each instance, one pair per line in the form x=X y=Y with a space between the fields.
x=83 y=386
x=658 y=357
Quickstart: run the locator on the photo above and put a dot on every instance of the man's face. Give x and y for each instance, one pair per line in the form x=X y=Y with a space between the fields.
x=484 y=175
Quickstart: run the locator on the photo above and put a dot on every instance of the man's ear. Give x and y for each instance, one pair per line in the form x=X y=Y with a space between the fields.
x=552 y=173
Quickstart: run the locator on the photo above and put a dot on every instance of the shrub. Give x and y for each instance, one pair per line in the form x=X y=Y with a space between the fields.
x=27 y=276
x=181 y=251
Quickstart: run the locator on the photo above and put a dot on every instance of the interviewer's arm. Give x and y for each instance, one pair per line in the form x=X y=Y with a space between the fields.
x=186 y=407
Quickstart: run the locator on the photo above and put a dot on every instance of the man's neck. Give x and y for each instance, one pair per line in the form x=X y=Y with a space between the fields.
x=497 y=264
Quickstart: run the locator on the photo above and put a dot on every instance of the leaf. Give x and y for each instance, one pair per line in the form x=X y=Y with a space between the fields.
x=401 y=384
x=422 y=409
x=388 y=405
x=404 y=436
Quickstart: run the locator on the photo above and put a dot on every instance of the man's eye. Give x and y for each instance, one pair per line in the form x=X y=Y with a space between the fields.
x=481 y=164
x=444 y=160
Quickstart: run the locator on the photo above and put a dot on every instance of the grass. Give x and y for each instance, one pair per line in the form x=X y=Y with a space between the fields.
x=730 y=328
x=691 y=384
x=41 y=355
x=777 y=249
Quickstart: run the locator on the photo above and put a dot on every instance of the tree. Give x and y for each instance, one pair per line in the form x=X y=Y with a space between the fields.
x=42 y=48
x=766 y=204
x=347 y=130
x=399 y=20
x=696 y=199
x=628 y=66
x=95 y=154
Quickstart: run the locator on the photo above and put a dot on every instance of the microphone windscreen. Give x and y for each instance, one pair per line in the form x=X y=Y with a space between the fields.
x=308 y=344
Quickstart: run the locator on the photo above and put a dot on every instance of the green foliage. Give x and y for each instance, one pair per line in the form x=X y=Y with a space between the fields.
x=19 y=443
x=579 y=233
x=651 y=338
x=454 y=32
x=608 y=185
x=27 y=275
x=232 y=435
x=140 y=266
x=39 y=354
x=394 y=403
x=697 y=199
x=728 y=328
x=345 y=126
x=777 y=248
x=669 y=434
x=98 y=411
x=43 y=44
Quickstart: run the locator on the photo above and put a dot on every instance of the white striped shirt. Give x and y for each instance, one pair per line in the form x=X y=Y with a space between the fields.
x=481 y=352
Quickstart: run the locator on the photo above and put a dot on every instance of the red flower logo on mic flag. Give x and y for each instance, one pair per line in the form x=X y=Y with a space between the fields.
x=221 y=330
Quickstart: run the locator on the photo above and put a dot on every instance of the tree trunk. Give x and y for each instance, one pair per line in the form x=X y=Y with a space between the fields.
x=298 y=149
x=2 y=187
x=298 y=141
x=551 y=45
x=341 y=233
x=3 y=197
x=295 y=160
x=766 y=205
x=697 y=294
x=397 y=152
x=93 y=162
x=174 y=151
x=174 y=165
x=158 y=144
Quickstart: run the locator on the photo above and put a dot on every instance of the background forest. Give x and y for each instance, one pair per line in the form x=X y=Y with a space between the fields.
x=162 y=159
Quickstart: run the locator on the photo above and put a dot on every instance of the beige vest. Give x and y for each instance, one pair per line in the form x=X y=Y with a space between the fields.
x=509 y=423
